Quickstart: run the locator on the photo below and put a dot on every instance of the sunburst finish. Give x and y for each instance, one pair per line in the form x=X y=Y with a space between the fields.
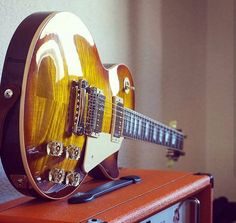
x=61 y=51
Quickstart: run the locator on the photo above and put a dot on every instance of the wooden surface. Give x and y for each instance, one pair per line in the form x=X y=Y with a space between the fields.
x=158 y=190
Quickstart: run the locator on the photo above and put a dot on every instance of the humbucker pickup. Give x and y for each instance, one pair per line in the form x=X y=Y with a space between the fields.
x=117 y=118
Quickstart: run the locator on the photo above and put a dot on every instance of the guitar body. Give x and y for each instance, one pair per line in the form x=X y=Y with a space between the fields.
x=47 y=56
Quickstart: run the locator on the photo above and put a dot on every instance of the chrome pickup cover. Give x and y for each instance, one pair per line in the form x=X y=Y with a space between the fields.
x=117 y=118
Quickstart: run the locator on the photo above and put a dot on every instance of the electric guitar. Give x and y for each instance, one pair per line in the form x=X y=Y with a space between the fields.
x=63 y=113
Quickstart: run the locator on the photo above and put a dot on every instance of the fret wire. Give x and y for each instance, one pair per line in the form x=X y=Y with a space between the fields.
x=146 y=130
x=159 y=125
x=139 y=127
x=137 y=124
x=131 y=124
x=150 y=132
x=142 y=127
x=178 y=134
x=145 y=117
x=155 y=136
x=177 y=143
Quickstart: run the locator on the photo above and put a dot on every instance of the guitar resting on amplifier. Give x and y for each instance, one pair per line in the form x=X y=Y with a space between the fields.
x=63 y=113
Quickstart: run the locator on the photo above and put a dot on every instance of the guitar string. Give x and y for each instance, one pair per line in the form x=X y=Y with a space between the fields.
x=136 y=113
x=131 y=132
x=149 y=136
x=133 y=113
x=128 y=114
x=153 y=124
x=127 y=109
x=177 y=146
x=159 y=126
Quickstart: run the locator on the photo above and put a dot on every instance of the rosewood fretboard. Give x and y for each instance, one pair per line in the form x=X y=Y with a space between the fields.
x=138 y=126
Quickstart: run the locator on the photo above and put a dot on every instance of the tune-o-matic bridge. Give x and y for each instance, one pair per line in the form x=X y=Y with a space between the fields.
x=77 y=106
x=86 y=109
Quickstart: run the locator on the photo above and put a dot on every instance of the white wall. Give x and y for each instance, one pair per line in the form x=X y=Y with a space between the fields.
x=188 y=75
x=146 y=50
x=181 y=55
x=220 y=112
x=169 y=70
x=107 y=21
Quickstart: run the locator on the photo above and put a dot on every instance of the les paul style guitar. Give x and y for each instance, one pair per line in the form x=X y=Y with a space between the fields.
x=63 y=113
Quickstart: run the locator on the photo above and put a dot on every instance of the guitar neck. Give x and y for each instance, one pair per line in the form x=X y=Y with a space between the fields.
x=140 y=127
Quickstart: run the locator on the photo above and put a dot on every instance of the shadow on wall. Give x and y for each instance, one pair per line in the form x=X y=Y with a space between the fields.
x=169 y=66
x=183 y=75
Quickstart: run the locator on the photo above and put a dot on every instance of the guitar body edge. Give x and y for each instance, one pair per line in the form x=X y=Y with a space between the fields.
x=13 y=72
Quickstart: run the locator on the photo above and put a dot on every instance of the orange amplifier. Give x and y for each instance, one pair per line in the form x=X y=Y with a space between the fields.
x=160 y=197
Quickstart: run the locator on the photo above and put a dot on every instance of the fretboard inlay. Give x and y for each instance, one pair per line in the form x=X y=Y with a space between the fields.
x=138 y=126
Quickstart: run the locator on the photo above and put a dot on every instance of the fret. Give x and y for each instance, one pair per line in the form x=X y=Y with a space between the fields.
x=125 y=125
x=173 y=139
x=164 y=136
x=129 y=120
x=154 y=136
x=157 y=134
x=131 y=124
x=170 y=139
x=151 y=131
x=137 y=126
x=177 y=142
x=167 y=137
x=126 y=122
x=146 y=130
x=142 y=128
x=181 y=141
x=161 y=135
